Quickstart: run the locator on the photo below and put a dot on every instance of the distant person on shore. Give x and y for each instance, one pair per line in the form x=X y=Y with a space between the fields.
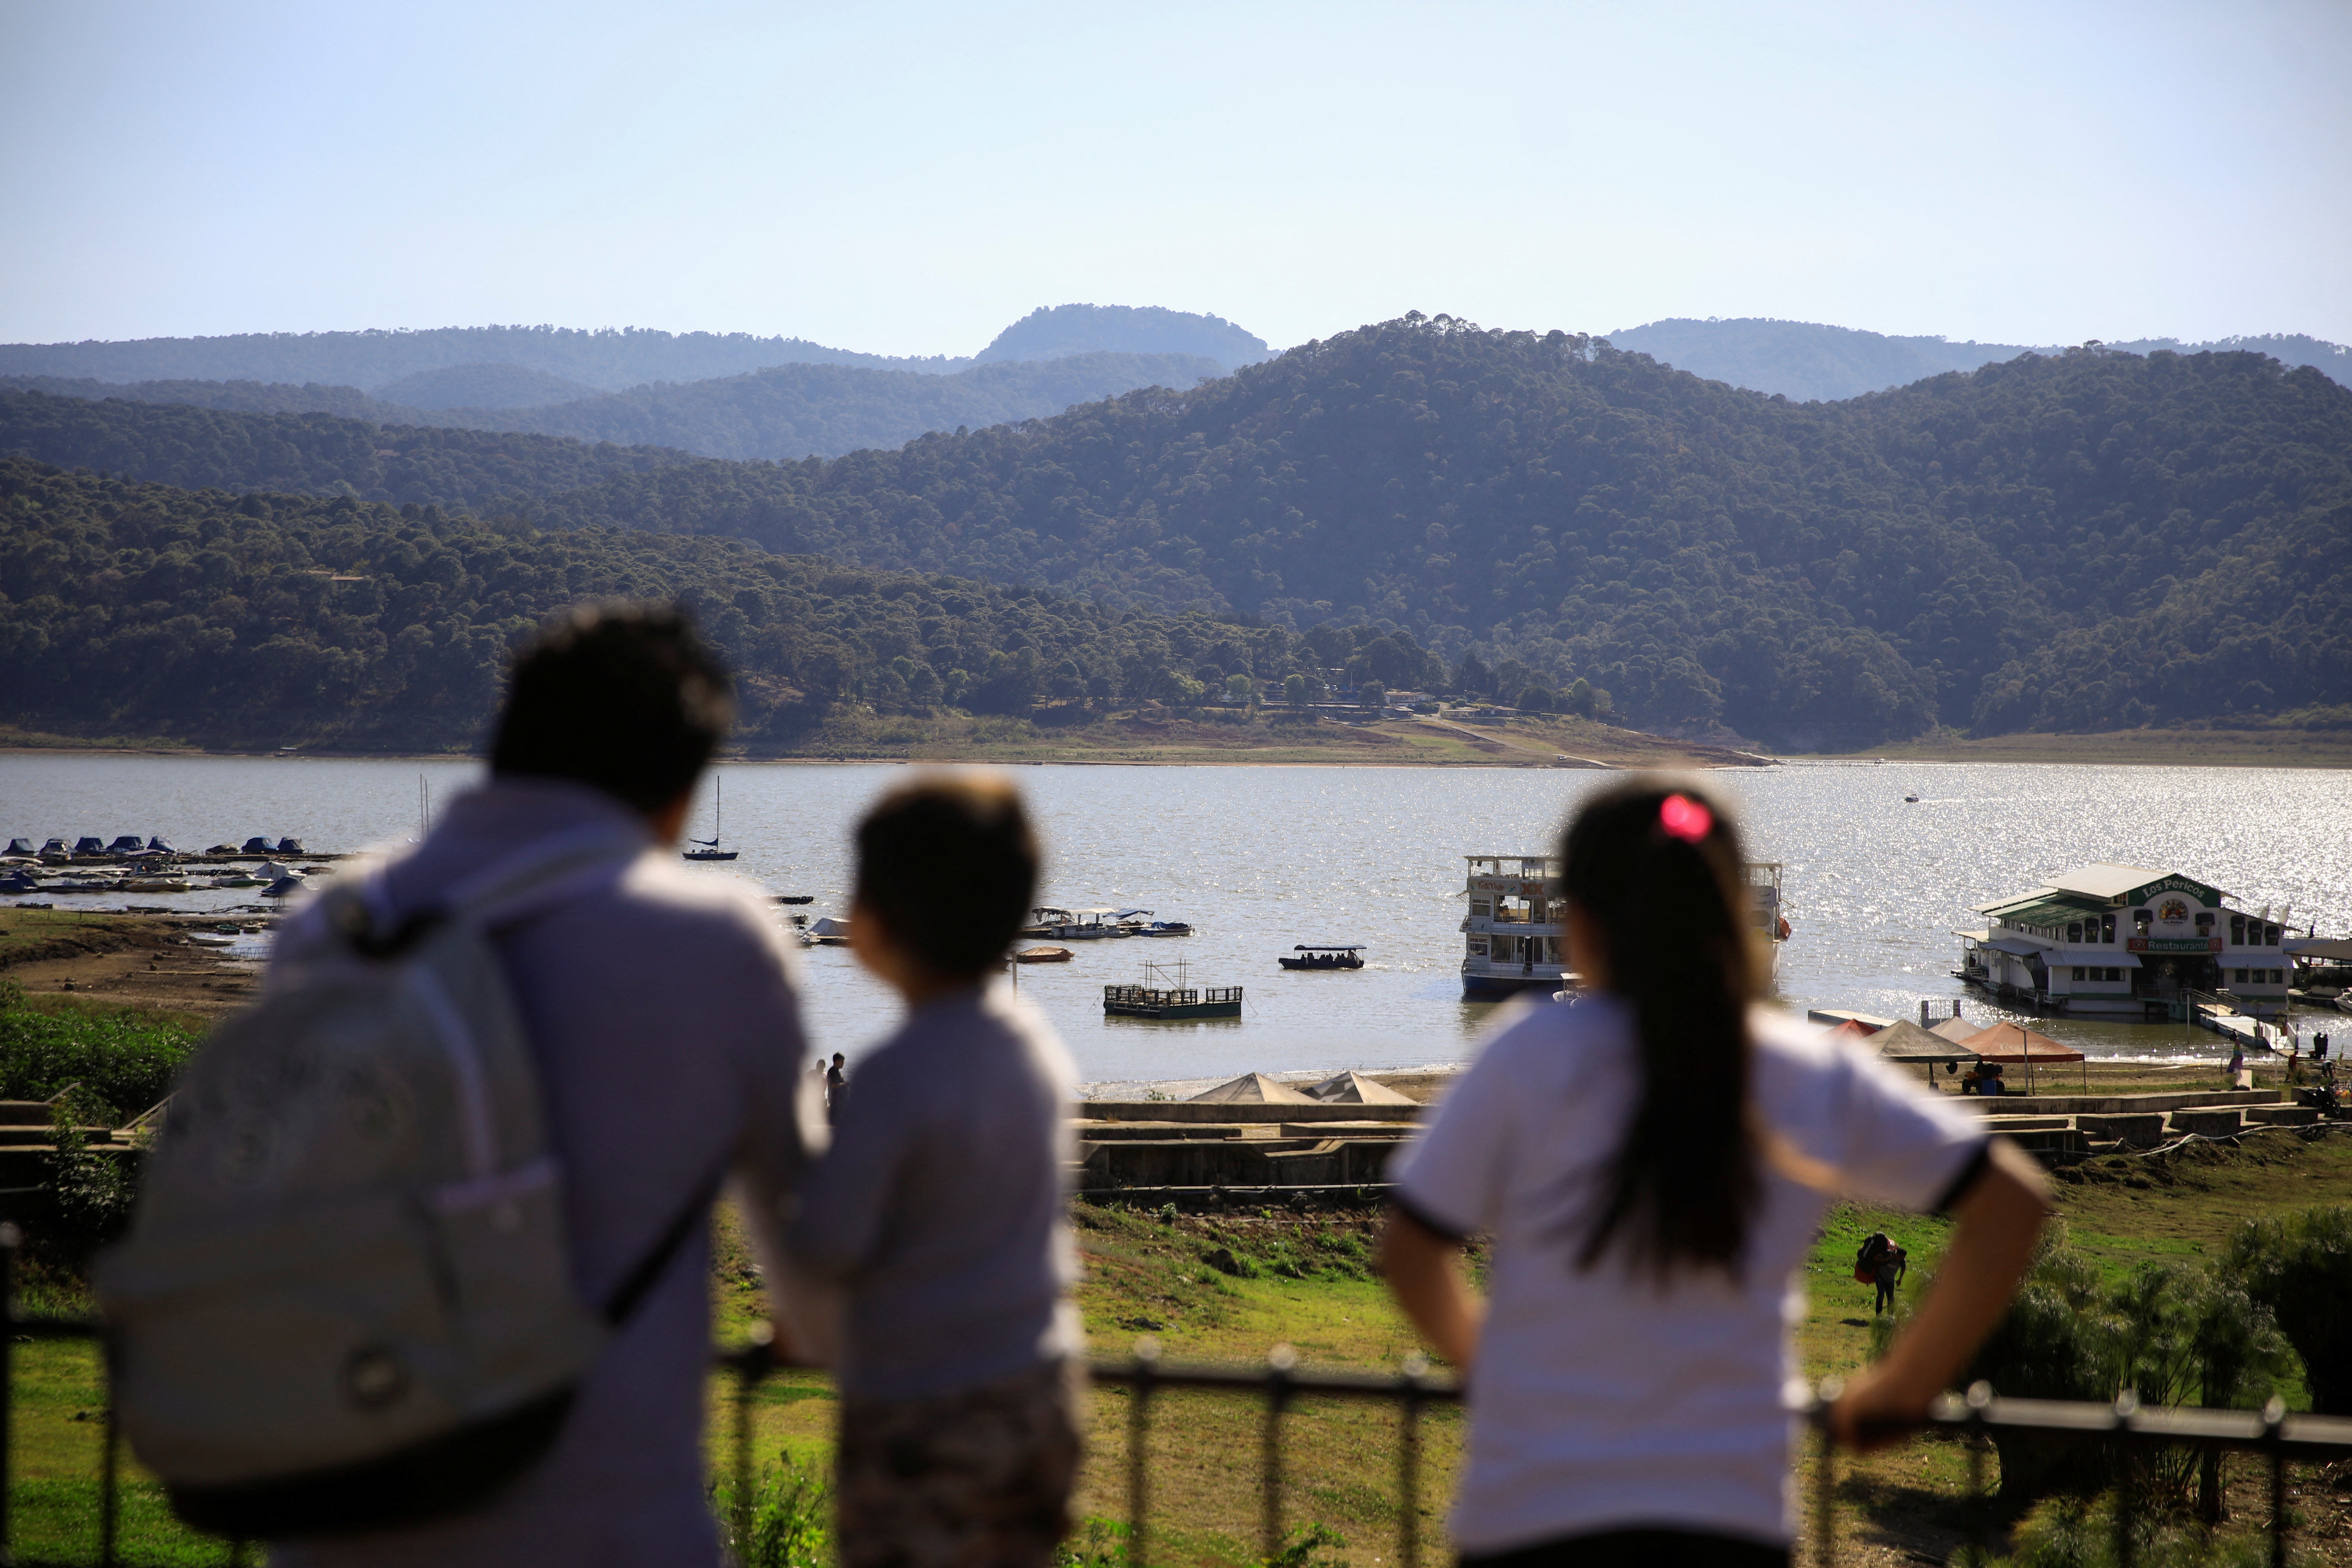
x=661 y=1011
x=2240 y=1075
x=1625 y=1368
x=940 y=1211
x=836 y=1086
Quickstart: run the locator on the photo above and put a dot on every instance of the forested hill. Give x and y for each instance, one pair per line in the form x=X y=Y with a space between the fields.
x=486 y=472
x=143 y=609
x=2092 y=540
x=788 y=411
x=2095 y=540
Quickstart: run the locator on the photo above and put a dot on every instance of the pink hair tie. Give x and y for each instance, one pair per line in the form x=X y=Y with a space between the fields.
x=1684 y=818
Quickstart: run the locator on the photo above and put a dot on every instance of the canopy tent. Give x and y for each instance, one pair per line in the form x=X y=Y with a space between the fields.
x=1252 y=1089
x=2011 y=1043
x=2007 y=1043
x=1355 y=1089
x=1905 y=1041
x=1850 y=1030
x=1957 y=1029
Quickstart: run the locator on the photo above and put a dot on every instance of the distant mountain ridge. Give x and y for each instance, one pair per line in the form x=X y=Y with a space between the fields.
x=1809 y=361
x=604 y=359
x=784 y=412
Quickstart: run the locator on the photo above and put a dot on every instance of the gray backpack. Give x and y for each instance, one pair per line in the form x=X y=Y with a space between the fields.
x=346 y=1301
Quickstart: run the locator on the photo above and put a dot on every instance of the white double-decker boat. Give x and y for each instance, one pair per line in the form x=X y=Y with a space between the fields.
x=1511 y=936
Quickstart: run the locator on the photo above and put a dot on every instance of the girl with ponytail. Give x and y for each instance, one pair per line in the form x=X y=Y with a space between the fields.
x=1652 y=1162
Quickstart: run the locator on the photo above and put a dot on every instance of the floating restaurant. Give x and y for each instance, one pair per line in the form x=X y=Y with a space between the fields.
x=1511 y=936
x=2127 y=941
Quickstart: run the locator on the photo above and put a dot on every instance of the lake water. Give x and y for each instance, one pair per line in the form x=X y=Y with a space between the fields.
x=1258 y=858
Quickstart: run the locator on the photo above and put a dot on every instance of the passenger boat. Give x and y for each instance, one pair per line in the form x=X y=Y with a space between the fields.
x=709 y=850
x=1074 y=925
x=1511 y=935
x=1327 y=956
x=1159 y=998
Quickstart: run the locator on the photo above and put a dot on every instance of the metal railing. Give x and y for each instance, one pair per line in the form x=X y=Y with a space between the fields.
x=2281 y=1439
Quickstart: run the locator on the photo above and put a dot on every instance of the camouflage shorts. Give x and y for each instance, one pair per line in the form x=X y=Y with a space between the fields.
x=976 y=1479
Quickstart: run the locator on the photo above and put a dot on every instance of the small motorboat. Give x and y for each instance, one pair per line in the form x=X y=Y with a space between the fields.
x=21 y=846
x=1140 y=922
x=1324 y=955
x=90 y=844
x=257 y=845
x=283 y=888
x=290 y=846
x=126 y=844
x=1910 y=800
x=1043 y=956
x=794 y=897
x=158 y=844
x=826 y=933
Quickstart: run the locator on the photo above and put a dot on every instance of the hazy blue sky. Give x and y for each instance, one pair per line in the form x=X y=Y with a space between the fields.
x=906 y=179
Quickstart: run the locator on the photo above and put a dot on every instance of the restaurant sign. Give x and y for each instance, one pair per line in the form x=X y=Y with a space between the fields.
x=2173 y=943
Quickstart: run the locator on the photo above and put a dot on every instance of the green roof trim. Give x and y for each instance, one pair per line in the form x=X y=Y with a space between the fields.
x=2045 y=907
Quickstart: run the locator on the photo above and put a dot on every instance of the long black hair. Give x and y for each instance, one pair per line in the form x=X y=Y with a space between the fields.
x=1655 y=866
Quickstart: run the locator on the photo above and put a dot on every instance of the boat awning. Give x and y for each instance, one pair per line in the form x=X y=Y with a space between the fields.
x=2338 y=948
x=1328 y=947
x=2017 y=947
x=1972 y=935
x=1128 y=914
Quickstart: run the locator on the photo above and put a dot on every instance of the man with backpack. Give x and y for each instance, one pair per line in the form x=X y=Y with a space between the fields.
x=487 y=1102
x=1880 y=1262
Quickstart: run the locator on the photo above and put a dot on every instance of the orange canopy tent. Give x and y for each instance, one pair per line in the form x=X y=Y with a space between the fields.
x=2010 y=1043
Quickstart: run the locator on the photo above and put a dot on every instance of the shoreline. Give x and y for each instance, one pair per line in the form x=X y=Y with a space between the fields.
x=1417 y=744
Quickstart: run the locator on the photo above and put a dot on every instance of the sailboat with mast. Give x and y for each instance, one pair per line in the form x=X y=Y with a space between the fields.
x=708 y=848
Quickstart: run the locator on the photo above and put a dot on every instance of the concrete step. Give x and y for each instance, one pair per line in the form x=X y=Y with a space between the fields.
x=2208 y=1123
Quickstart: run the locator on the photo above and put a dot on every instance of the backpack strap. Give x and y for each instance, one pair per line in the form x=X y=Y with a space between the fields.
x=504 y=891
x=627 y=1297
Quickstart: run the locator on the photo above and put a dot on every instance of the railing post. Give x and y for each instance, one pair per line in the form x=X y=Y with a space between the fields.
x=110 y=1469
x=1825 y=1475
x=2127 y=1407
x=10 y=1239
x=1279 y=1361
x=1979 y=1400
x=751 y=1365
x=2273 y=1421
x=1139 y=1440
x=1416 y=1367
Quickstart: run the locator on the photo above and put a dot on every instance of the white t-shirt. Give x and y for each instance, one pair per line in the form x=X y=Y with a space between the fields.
x=1602 y=1401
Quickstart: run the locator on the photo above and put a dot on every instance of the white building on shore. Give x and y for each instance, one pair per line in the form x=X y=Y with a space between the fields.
x=2124 y=942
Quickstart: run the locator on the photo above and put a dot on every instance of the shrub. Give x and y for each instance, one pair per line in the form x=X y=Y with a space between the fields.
x=792 y=1515
x=124 y=1061
x=2172 y=1335
x=2300 y=1268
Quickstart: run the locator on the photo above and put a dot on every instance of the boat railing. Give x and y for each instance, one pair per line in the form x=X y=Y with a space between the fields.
x=1150 y=996
x=1222 y=994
